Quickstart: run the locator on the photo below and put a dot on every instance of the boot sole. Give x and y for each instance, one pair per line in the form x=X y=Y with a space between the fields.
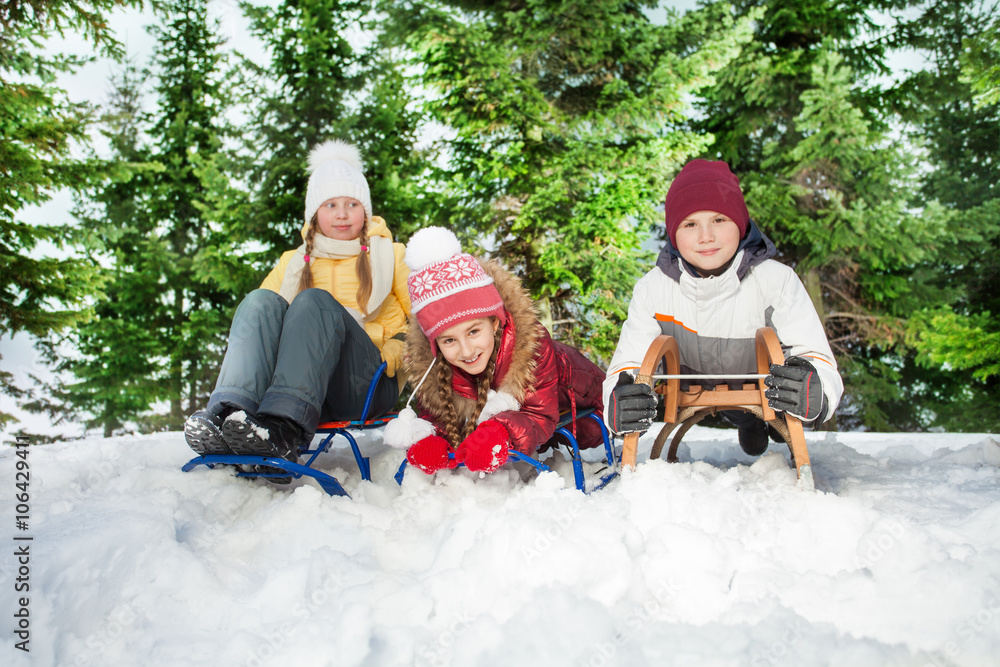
x=204 y=437
x=245 y=440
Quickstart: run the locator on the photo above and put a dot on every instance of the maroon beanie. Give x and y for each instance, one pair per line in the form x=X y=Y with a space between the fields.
x=705 y=185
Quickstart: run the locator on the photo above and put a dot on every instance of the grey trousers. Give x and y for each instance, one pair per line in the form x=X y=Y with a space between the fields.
x=307 y=362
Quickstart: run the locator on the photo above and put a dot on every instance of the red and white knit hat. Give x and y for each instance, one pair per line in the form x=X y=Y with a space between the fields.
x=446 y=285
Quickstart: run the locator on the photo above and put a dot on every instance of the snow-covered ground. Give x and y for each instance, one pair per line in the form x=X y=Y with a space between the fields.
x=717 y=560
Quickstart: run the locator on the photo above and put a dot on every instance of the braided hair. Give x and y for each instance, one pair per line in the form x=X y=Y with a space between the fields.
x=306 y=278
x=363 y=267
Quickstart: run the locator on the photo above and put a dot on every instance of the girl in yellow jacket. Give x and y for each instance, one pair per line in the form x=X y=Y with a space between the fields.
x=304 y=347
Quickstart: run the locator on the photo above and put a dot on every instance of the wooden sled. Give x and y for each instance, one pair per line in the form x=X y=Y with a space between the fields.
x=687 y=408
x=563 y=428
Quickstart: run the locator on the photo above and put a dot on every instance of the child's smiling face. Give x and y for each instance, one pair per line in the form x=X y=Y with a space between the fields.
x=707 y=240
x=341 y=218
x=469 y=345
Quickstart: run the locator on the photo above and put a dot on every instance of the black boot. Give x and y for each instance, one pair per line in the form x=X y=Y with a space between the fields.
x=264 y=435
x=203 y=431
x=753 y=432
x=753 y=438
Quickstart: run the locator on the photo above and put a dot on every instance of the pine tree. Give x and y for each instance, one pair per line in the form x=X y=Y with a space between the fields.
x=564 y=121
x=318 y=84
x=41 y=292
x=302 y=98
x=957 y=121
x=837 y=202
x=387 y=127
x=192 y=315
x=116 y=356
x=160 y=330
x=813 y=139
x=981 y=64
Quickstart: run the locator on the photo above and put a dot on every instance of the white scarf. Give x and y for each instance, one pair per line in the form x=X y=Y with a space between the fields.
x=381 y=255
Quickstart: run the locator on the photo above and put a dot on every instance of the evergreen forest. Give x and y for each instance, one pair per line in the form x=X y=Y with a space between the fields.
x=545 y=133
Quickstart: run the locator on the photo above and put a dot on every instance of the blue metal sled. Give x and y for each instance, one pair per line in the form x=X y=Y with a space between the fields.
x=267 y=466
x=563 y=428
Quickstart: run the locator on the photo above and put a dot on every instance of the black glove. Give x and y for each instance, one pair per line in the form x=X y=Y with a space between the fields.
x=795 y=389
x=633 y=406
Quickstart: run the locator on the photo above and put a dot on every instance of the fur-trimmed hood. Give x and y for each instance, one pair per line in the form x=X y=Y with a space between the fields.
x=519 y=344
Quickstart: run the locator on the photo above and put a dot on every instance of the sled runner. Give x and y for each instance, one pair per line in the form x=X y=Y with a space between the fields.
x=688 y=407
x=271 y=467
x=563 y=428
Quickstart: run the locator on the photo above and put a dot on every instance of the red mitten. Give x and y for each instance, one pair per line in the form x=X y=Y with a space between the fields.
x=486 y=448
x=430 y=454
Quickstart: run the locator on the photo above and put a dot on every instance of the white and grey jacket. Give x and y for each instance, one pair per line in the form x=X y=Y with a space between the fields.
x=714 y=319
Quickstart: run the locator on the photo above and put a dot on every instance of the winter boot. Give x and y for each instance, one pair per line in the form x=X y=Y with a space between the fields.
x=753 y=437
x=753 y=432
x=203 y=431
x=264 y=435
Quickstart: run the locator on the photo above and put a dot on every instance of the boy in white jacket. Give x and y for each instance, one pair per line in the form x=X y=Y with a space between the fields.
x=713 y=286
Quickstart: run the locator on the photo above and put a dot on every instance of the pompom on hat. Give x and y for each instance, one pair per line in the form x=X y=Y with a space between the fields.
x=446 y=285
x=705 y=185
x=336 y=170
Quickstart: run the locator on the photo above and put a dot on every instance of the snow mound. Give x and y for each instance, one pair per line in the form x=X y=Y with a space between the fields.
x=719 y=559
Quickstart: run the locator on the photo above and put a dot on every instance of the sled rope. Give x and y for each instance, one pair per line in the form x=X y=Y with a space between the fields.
x=417 y=388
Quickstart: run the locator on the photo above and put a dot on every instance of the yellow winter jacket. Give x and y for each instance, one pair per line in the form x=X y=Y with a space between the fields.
x=339 y=277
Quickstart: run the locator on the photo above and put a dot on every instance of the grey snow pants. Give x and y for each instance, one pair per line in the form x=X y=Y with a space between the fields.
x=308 y=362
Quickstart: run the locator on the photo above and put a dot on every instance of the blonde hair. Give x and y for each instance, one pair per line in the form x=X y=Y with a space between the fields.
x=363 y=267
x=453 y=432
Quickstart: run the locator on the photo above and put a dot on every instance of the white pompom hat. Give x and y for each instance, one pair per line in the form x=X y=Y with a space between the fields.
x=446 y=285
x=335 y=170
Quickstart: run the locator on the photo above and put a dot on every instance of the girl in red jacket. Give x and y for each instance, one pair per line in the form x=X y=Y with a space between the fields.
x=489 y=378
